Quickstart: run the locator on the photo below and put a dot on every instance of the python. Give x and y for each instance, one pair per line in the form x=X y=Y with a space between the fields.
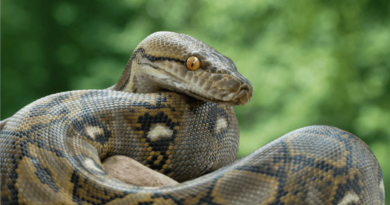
x=172 y=111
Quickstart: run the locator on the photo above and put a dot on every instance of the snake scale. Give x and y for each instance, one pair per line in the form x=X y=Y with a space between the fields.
x=172 y=111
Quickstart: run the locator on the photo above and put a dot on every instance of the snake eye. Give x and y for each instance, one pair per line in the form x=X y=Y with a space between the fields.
x=193 y=63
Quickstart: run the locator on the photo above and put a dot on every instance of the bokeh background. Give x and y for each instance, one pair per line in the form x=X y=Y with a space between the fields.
x=310 y=62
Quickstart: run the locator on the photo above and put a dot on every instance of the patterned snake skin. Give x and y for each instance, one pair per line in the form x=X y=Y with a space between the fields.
x=51 y=150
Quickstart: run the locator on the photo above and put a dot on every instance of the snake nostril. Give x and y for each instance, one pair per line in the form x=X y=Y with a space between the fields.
x=245 y=86
x=248 y=88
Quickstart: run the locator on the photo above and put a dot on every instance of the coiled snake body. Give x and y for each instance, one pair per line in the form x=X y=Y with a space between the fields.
x=51 y=150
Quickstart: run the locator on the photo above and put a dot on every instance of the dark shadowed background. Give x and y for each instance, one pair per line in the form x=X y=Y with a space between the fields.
x=310 y=62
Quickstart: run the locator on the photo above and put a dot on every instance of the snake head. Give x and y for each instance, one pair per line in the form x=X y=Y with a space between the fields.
x=181 y=63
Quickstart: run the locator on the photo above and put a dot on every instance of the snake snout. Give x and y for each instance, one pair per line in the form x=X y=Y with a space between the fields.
x=234 y=90
x=243 y=95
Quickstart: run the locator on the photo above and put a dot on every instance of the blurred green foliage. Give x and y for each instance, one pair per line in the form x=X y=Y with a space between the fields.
x=310 y=62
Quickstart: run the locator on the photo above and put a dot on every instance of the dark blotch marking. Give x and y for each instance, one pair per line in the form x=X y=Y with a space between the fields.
x=44 y=175
x=162 y=144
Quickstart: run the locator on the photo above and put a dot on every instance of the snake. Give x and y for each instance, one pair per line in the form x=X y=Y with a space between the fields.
x=172 y=111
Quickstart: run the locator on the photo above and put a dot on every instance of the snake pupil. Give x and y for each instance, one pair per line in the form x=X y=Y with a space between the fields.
x=192 y=65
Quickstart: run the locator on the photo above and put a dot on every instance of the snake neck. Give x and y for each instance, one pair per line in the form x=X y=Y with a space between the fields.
x=123 y=83
x=143 y=76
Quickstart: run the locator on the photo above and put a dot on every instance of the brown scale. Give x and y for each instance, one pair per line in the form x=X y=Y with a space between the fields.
x=51 y=150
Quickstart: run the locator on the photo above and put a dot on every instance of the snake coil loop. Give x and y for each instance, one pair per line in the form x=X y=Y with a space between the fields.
x=177 y=119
